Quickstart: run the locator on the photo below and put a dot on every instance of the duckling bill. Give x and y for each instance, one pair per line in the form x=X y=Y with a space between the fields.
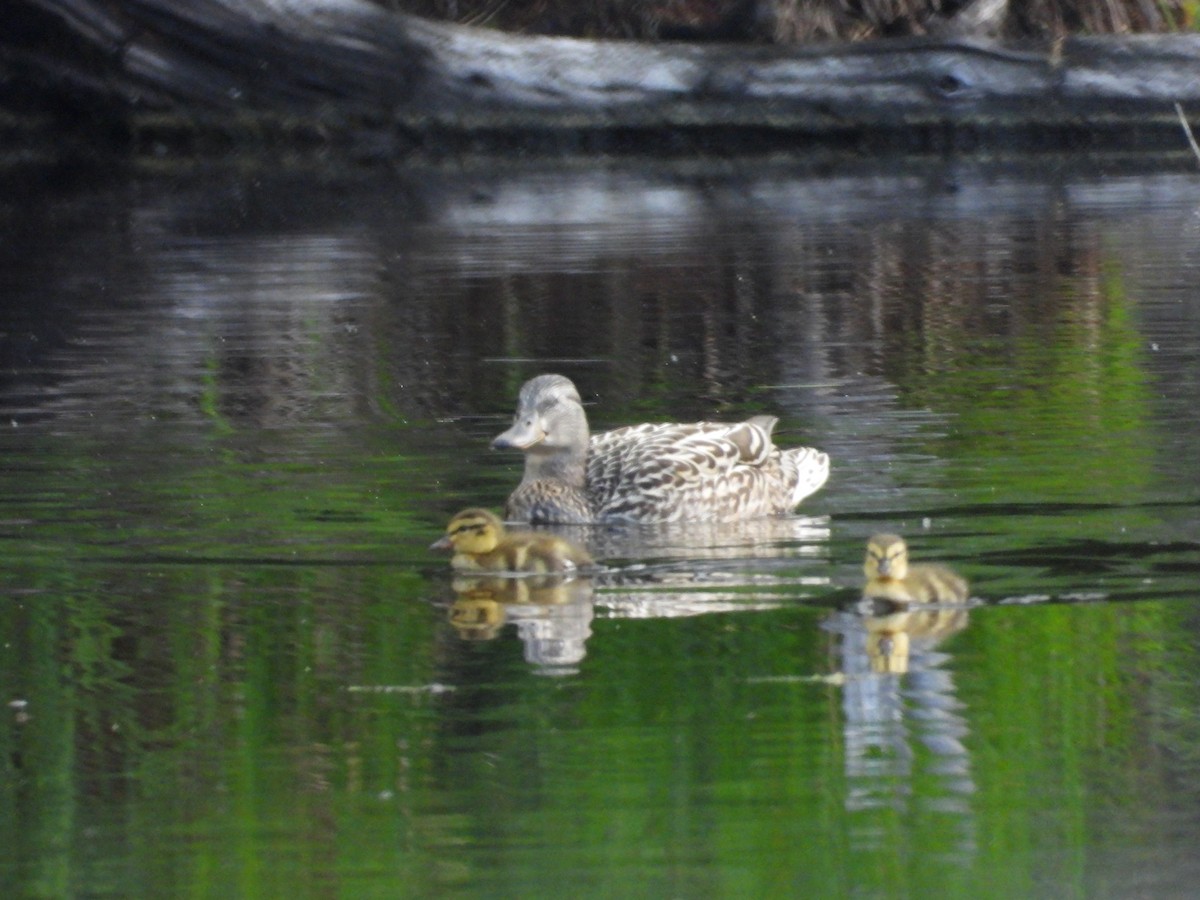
x=891 y=577
x=481 y=543
x=648 y=473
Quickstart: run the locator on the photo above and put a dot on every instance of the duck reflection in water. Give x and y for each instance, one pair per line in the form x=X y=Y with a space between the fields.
x=529 y=578
x=552 y=613
x=896 y=691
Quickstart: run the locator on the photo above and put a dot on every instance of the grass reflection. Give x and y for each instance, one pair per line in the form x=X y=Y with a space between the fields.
x=1053 y=413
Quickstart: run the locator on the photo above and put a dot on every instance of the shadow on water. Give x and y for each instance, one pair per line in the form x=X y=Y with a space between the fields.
x=236 y=409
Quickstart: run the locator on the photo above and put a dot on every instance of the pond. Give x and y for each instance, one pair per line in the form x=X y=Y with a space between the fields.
x=238 y=406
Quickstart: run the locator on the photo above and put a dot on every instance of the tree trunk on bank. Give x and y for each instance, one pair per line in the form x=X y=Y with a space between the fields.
x=346 y=72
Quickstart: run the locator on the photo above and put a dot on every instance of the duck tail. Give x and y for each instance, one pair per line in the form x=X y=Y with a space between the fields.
x=812 y=471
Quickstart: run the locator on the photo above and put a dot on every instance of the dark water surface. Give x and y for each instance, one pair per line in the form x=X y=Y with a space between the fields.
x=237 y=408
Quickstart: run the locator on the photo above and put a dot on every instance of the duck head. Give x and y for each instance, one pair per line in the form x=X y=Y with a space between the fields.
x=550 y=420
x=471 y=531
x=887 y=557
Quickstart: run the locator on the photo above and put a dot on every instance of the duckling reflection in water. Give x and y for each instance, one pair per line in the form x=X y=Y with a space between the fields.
x=481 y=543
x=890 y=638
x=552 y=613
x=477 y=618
x=550 y=589
x=890 y=577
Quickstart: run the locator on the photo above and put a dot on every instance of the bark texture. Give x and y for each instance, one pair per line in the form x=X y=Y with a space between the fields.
x=350 y=70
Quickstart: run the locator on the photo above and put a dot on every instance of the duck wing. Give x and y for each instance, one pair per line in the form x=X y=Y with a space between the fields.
x=702 y=470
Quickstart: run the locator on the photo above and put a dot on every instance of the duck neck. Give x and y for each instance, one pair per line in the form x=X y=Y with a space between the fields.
x=566 y=467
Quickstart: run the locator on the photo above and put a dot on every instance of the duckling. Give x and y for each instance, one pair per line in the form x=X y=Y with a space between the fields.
x=890 y=577
x=482 y=544
x=648 y=473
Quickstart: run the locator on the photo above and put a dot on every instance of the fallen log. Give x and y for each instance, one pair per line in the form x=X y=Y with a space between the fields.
x=353 y=73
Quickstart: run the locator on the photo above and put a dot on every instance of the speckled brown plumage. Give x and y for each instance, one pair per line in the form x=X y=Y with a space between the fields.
x=648 y=473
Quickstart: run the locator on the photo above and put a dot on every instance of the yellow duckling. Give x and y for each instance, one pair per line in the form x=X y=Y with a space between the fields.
x=482 y=544
x=890 y=577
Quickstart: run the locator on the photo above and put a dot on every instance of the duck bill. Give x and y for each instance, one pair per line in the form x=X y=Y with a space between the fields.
x=521 y=436
x=442 y=543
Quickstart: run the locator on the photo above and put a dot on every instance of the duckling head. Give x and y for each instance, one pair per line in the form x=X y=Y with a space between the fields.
x=887 y=557
x=550 y=419
x=471 y=531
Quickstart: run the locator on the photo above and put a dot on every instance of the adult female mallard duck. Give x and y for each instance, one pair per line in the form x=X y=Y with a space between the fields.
x=890 y=577
x=482 y=544
x=648 y=473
